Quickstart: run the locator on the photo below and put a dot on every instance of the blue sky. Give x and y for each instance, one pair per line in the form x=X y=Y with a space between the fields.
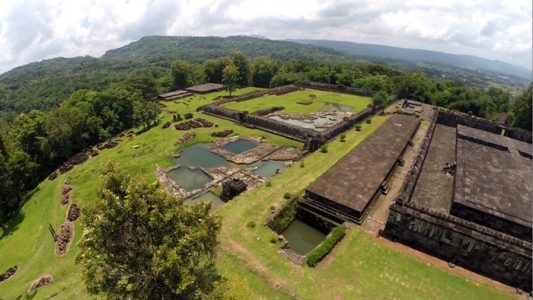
x=35 y=30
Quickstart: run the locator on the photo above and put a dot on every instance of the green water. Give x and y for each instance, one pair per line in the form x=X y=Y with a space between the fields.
x=302 y=238
x=207 y=197
x=240 y=146
x=269 y=168
x=190 y=179
x=200 y=155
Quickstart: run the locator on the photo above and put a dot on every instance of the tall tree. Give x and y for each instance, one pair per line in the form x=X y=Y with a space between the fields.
x=213 y=68
x=522 y=109
x=139 y=242
x=381 y=99
x=230 y=77
x=263 y=69
x=243 y=66
x=181 y=74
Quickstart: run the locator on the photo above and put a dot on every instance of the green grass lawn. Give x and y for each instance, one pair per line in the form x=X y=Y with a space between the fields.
x=359 y=267
x=289 y=101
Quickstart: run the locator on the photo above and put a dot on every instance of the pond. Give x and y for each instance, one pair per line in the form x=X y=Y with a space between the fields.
x=318 y=123
x=338 y=107
x=200 y=155
x=302 y=237
x=239 y=146
x=189 y=179
x=269 y=168
x=207 y=197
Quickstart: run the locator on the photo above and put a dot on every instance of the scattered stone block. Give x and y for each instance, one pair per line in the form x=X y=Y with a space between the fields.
x=44 y=280
x=7 y=274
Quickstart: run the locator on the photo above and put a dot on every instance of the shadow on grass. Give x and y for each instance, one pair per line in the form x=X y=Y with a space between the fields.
x=13 y=224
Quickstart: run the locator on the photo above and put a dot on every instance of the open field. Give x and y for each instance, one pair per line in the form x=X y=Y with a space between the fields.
x=289 y=101
x=359 y=267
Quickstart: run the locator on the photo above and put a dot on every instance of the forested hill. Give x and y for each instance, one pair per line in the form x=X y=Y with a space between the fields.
x=43 y=85
x=419 y=55
x=164 y=49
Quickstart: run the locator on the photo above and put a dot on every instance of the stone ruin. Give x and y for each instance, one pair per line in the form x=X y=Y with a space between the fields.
x=66 y=232
x=7 y=274
x=73 y=212
x=77 y=159
x=167 y=125
x=232 y=188
x=470 y=240
x=42 y=281
x=196 y=123
x=108 y=145
x=221 y=134
x=313 y=139
x=66 y=193
x=186 y=137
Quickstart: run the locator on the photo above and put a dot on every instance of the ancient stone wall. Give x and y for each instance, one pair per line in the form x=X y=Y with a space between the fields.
x=336 y=129
x=453 y=118
x=491 y=221
x=294 y=131
x=275 y=91
x=518 y=134
x=475 y=247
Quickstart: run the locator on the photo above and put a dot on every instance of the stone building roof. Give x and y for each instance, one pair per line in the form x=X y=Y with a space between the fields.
x=493 y=176
x=353 y=181
x=205 y=88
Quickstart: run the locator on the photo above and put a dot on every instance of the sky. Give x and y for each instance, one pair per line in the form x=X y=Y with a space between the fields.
x=41 y=29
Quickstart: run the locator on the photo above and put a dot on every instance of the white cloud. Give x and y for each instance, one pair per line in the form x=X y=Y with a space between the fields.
x=32 y=30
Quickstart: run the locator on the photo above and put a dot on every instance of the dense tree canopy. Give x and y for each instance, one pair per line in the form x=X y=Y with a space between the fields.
x=141 y=243
x=522 y=109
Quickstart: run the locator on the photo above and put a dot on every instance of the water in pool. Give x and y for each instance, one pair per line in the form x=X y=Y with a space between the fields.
x=302 y=238
x=190 y=179
x=200 y=155
x=269 y=168
x=207 y=197
x=240 y=146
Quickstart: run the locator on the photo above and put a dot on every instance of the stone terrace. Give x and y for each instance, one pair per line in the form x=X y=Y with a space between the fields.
x=434 y=187
x=352 y=184
x=205 y=88
x=493 y=178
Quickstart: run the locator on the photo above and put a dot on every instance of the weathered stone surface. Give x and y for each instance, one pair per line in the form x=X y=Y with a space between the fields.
x=66 y=231
x=7 y=274
x=186 y=137
x=221 y=134
x=196 y=123
x=232 y=188
x=44 y=280
x=73 y=212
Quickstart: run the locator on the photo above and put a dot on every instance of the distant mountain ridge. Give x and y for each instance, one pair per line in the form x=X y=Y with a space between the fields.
x=420 y=55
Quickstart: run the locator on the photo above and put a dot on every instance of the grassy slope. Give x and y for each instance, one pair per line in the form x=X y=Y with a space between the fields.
x=359 y=266
x=288 y=101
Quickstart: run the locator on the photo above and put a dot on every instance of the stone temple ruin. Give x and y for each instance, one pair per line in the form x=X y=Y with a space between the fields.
x=467 y=198
x=347 y=191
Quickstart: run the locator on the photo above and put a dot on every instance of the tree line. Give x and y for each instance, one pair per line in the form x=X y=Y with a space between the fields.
x=38 y=142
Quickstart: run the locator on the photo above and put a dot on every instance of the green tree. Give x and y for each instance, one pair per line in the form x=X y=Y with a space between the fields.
x=139 y=242
x=213 y=68
x=381 y=99
x=243 y=66
x=181 y=74
x=230 y=77
x=522 y=109
x=263 y=69
x=501 y=98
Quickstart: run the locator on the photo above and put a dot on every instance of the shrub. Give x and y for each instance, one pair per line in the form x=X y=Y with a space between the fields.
x=343 y=137
x=250 y=224
x=287 y=195
x=188 y=116
x=272 y=207
x=268 y=184
x=324 y=149
x=326 y=246
x=357 y=127
x=273 y=240
x=417 y=115
x=369 y=121
x=302 y=164
x=217 y=190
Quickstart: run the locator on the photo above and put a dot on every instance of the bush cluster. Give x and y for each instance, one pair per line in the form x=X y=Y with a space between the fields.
x=317 y=254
